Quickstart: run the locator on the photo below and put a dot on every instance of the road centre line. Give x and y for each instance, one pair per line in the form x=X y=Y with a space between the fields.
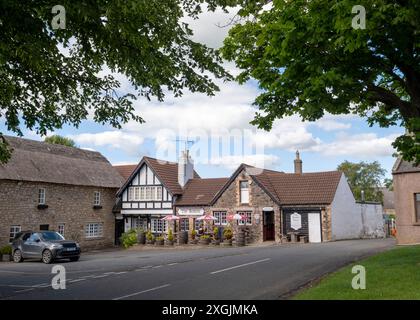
x=240 y=266
x=140 y=292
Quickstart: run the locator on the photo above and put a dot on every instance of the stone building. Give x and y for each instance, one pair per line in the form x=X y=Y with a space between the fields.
x=406 y=183
x=54 y=187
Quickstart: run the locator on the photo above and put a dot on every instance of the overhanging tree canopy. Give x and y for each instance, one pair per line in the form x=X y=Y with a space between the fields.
x=45 y=86
x=309 y=60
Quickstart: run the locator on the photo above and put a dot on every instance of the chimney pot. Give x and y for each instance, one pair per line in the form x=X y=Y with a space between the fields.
x=298 y=163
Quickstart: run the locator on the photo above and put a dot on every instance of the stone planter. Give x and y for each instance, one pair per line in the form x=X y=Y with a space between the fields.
x=150 y=242
x=159 y=242
x=169 y=243
x=215 y=242
x=141 y=238
x=193 y=241
x=204 y=241
x=226 y=243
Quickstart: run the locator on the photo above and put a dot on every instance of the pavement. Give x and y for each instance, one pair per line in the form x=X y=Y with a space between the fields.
x=255 y=272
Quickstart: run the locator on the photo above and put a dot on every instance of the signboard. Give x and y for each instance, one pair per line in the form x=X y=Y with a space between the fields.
x=191 y=211
x=268 y=209
x=295 y=221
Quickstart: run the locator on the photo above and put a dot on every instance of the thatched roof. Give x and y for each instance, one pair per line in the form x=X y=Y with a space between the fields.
x=44 y=162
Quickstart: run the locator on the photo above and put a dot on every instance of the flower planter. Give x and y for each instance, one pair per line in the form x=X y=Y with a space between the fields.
x=215 y=242
x=169 y=243
x=6 y=257
x=204 y=242
x=193 y=241
x=141 y=238
x=150 y=242
x=226 y=243
x=159 y=242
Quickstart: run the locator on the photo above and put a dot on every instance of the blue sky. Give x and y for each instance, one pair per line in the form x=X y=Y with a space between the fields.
x=208 y=120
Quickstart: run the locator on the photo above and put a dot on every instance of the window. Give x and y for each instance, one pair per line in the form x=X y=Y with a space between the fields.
x=14 y=230
x=158 y=225
x=184 y=224
x=41 y=196
x=248 y=220
x=417 y=205
x=198 y=224
x=97 y=198
x=244 y=192
x=61 y=229
x=221 y=218
x=149 y=193
x=137 y=222
x=93 y=230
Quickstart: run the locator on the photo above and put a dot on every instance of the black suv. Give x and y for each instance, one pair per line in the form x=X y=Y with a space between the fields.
x=45 y=245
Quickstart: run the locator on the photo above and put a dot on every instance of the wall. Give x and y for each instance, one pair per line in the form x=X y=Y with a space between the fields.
x=373 y=220
x=71 y=205
x=405 y=185
x=230 y=201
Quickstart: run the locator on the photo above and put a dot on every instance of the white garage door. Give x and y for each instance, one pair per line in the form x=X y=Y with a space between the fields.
x=314 y=226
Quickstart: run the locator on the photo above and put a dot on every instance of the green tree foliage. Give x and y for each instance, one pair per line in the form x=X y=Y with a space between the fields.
x=56 y=139
x=309 y=60
x=389 y=184
x=51 y=77
x=364 y=176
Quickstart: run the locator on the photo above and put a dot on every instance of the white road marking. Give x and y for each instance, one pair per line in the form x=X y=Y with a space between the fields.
x=140 y=292
x=100 y=276
x=155 y=267
x=172 y=264
x=240 y=266
x=122 y=272
x=76 y=280
x=25 y=290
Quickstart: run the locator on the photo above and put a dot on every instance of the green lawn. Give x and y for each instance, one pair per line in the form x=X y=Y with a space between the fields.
x=394 y=274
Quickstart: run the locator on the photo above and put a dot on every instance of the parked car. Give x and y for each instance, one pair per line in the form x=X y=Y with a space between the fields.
x=45 y=245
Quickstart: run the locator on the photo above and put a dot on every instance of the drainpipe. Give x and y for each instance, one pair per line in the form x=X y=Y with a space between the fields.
x=362 y=213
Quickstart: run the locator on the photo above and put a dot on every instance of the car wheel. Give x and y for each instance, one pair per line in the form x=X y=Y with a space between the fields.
x=47 y=256
x=73 y=259
x=17 y=256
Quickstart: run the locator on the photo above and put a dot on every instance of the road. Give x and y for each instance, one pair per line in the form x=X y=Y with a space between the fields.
x=264 y=272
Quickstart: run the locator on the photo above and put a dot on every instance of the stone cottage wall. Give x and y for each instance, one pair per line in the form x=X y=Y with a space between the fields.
x=68 y=204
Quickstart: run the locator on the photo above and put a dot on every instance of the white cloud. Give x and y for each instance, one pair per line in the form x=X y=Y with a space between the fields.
x=129 y=143
x=257 y=160
x=365 y=145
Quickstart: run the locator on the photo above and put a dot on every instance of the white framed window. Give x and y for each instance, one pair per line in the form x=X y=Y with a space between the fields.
x=158 y=225
x=158 y=193
x=221 y=218
x=148 y=193
x=142 y=193
x=130 y=194
x=41 y=196
x=61 y=227
x=94 y=230
x=97 y=198
x=198 y=224
x=417 y=206
x=14 y=230
x=184 y=224
x=244 y=191
x=248 y=218
x=138 y=222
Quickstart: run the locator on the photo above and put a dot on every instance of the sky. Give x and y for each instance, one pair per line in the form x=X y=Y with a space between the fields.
x=220 y=130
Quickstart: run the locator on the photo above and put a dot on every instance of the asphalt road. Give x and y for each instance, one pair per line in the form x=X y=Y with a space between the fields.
x=267 y=272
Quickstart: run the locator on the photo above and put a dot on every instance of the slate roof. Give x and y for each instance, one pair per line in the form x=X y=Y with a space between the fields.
x=125 y=171
x=38 y=161
x=200 y=191
x=402 y=166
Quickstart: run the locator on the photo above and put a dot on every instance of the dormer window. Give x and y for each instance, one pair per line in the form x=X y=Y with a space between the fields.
x=244 y=192
x=41 y=196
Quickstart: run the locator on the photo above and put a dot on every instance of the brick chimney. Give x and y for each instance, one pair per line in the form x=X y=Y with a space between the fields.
x=298 y=163
x=185 y=168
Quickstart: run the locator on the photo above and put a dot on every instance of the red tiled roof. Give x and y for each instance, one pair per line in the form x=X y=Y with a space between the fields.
x=200 y=191
x=301 y=189
x=125 y=170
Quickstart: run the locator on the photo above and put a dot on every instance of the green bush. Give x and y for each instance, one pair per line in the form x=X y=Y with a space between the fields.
x=170 y=235
x=160 y=238
x=6 y=250
x=193 y=233
x=129 y=238
x=215 y=233
x=228 y=233
x=205 y=237
x=150 y=236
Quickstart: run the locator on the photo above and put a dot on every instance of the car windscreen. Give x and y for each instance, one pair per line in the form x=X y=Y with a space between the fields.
x=51 y=236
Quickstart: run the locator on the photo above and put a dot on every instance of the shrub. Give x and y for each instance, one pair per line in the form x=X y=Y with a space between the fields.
x=205 y=237
x=6 y=250
x=215 y=233
x=160 y=238
x=129 y=238
x=149 y=235
x=170 y=235
x=227 y=233
x=193 y=233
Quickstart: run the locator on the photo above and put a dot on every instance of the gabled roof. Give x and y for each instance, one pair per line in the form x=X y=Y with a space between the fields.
x=200 y=192
x=290 y=188
x=38 y=161
x=402 y=166
x=301 y=189
x=125 y=171
x=166 y=171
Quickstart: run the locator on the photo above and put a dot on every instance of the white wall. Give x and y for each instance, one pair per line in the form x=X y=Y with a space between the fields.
x=346 y=221
x=351 y=220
